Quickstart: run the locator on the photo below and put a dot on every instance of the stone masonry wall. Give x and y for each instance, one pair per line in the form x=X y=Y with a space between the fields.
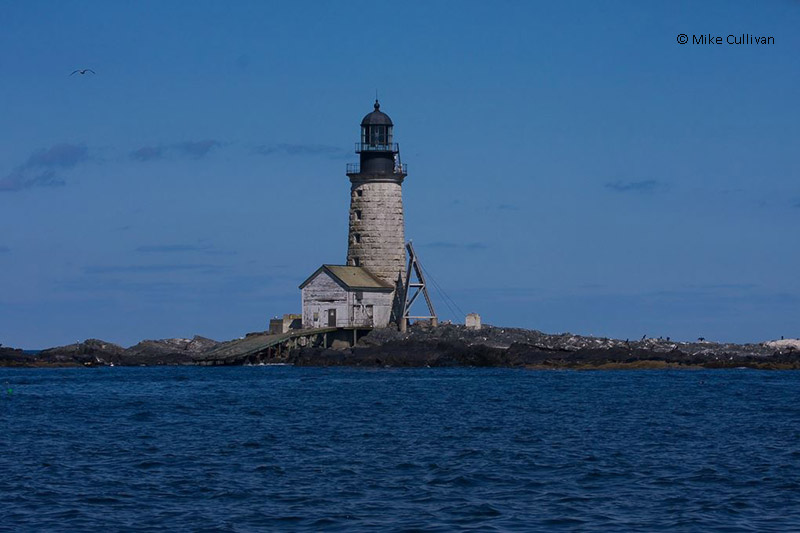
x=377 y=233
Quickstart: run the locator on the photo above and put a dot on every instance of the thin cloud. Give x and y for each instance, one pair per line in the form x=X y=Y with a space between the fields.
x=148 y=153
x=4 y=249
x=191 y=149
x=334 y=152
x=457 y=245
x=161 y=288
x=133 y=269
x=40 y=168
x=21 y=179
x=220 y=252
x=168 y=248
x=723 y=286
x=206 y=249
x=197 y=149
x=61 y=155
x=634 y=186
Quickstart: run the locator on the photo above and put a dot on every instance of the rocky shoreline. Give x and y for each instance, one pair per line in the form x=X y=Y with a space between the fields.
x=444 y=346
x=450 y=345
x=94 y=352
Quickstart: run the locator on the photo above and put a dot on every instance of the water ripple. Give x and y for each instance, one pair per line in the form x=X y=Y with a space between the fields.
x=274 y=448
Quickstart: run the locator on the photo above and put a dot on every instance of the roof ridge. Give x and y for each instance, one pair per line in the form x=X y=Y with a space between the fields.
x=343 y=271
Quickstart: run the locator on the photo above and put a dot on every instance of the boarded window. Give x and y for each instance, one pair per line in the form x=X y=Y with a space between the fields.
x=316 y=316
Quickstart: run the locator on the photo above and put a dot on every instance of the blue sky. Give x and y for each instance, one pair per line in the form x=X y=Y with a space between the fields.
x=571 y=166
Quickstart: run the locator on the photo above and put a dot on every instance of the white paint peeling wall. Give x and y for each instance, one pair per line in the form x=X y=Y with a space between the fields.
x=321 y=295
x=353 y=308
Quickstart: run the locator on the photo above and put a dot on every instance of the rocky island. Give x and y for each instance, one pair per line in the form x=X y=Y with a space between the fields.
x=442 y=346
x=94 y=352
x=450 y=345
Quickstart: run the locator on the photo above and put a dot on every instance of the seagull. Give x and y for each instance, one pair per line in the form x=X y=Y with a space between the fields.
x=83 y=71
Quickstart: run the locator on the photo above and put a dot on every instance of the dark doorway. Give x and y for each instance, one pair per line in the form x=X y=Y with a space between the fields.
x=331 y=318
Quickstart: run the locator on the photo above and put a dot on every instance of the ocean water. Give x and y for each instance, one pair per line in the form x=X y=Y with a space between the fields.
x=310 y=449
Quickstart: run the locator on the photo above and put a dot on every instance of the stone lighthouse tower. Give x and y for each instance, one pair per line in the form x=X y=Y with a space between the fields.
x=376 y=236
x=372 y=290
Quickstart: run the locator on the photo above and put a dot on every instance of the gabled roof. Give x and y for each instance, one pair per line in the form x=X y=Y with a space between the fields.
x=352 y=278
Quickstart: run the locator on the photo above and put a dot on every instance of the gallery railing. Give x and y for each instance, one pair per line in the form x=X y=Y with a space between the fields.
x=355 y=168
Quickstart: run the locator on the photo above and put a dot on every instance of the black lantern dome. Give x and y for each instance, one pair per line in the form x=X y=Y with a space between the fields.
x=376 y=131
x=379 y=155
x=377 y=117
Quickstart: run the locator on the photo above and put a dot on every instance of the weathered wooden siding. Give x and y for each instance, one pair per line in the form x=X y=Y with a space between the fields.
x=380 y=304
x=324 y=293
x=320 y=295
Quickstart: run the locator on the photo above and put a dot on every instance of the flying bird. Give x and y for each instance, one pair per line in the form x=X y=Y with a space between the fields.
x=82 y=71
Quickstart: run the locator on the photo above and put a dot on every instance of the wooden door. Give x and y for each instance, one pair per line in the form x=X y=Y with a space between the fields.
x=331 y=318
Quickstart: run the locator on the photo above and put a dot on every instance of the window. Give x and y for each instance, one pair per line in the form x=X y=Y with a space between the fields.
x=377 y=135
x=316 y=316
x=358 y=214
x=356 y=238
x=356 y=261
x=359 y=193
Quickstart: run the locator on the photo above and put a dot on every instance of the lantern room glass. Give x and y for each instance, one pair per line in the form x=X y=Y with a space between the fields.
x=376 y=135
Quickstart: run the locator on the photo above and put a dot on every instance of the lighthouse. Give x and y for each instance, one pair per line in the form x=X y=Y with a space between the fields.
x=376 y=239
x=368 y=290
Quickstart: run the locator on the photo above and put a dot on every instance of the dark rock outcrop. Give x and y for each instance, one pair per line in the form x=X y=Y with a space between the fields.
x=450 y=345
x=446 y=345
x=94 y=352
x=14 y=357
x=88 y=353
x=166 y=351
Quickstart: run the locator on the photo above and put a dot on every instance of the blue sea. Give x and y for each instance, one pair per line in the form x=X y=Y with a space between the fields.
x=313 y=449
